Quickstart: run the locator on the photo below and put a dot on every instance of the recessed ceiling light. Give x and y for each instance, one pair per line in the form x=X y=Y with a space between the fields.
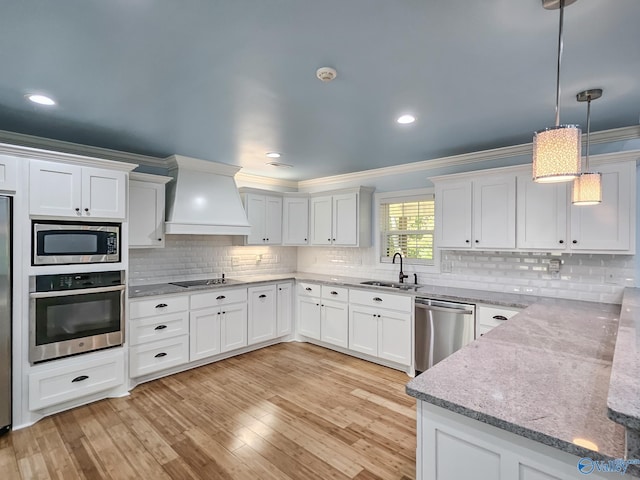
x=273 y=155
x=278 y=164
x=40 y=99
x=404 y=119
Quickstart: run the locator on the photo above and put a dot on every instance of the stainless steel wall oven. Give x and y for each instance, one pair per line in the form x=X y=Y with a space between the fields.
x=75 y=313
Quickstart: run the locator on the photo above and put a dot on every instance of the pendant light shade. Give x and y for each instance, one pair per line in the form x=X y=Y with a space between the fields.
x=556 y=154
x=587 y=188
x=557 y=150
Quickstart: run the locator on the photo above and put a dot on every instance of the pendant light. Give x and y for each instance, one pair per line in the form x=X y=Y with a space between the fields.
x=556 y=150
x=587 y=189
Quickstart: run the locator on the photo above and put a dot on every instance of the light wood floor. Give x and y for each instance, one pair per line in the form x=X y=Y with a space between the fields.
x=291 y=411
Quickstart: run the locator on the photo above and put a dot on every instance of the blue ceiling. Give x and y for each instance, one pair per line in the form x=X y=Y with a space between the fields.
x=231 y=80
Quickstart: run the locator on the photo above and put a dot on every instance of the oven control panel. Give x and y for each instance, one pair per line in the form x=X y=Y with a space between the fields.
x=77 y=281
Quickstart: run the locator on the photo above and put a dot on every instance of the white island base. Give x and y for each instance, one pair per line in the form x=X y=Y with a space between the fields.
x=454 y=447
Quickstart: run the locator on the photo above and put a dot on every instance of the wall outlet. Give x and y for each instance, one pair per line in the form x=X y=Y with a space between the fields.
x=446 y=266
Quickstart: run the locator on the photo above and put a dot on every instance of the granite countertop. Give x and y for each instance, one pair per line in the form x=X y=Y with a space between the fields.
x=431 y=291
x=624 y=390
x=544 y=375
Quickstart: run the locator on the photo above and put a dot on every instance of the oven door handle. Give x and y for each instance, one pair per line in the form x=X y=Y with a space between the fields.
x=80 y=291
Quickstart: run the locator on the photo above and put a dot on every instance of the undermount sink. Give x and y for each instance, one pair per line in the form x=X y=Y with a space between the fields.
x=376 y=283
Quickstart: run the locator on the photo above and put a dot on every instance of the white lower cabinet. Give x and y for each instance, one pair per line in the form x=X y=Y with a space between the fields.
x=334 y=323
x=70 y=379
x=309 y=317
x=489 y=453
x=323 y=313
x=152 y=357
x=158 y=334
x=284 y=317
x=490 y=316
x=262 y=321
x=217 y=322
x=380 y=325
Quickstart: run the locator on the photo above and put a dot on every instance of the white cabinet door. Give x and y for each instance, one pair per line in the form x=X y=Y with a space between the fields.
x=255 y=205
x=55 y=189
x=309 y=317
x=146 y=214
x=295 y=221
x=494 y=212
x=363 y=330
x=542 y=214
x=321 y=220
x=273 y=220
x=284 y=324
x=334 y=323
x=453 y=214
x=607 y=226
x=233 y=327
x=103 y=193
x=394 y=340
x=345 y=219
x=8 y=172
x=262 y=313
x=204 y=333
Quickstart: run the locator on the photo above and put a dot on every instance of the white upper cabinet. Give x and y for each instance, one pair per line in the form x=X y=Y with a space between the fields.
x=342 y=218
x=146 y=210
x=264 y=213
x=8 y=173
x=480 y=210
x=494 y=212
x=453 y=214
x=609 y=226
x=295 y=220
x=477 y=213
x=63 y=190
x=321 y=222
x=542 y=214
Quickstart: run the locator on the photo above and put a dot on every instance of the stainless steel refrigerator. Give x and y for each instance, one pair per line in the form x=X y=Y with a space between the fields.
x=5 y=314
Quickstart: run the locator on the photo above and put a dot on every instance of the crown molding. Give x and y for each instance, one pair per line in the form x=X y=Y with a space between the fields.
x=150 y=178
x=22 y=140
x=259 y=179
x=605 y=136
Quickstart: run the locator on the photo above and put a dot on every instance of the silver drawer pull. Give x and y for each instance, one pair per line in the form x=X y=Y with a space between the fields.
x=162 y=305
x=334 y=292
x=262 y=296
x=377 y=299
x=160 y=327
x=81 y=378
x=220 y=297
x=160 y=355
x=499 y=317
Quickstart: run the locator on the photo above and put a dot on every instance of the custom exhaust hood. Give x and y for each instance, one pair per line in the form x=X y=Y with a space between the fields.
x=204 y=199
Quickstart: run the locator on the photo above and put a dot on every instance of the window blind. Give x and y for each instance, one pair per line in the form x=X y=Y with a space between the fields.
x=407 y=227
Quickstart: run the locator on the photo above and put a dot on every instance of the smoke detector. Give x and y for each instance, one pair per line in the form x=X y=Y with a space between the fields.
x=326 y=74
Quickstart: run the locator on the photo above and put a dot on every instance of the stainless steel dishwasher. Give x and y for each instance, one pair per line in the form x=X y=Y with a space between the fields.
x=442 y=327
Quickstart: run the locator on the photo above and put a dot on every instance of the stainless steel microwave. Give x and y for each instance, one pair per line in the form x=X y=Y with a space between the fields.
x=66 y=243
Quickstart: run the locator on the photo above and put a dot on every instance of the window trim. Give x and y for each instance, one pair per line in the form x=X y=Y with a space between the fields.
x=401 y=196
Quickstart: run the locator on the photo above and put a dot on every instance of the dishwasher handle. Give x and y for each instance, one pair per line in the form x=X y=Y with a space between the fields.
x=443 y=307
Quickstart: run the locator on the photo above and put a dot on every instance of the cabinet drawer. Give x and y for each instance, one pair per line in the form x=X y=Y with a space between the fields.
x=309 y=289
x=56 y=385
x=158 y=306
x=375 y=298
x=156 y=356
x=339 y=294
x=150 y=329
x=494 y=316
x=218 y=297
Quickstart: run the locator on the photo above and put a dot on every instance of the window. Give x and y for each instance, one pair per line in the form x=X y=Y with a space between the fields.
x=407 y=227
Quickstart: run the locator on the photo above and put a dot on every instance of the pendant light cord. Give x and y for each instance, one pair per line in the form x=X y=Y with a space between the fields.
x=560 y=47
x=586 y=162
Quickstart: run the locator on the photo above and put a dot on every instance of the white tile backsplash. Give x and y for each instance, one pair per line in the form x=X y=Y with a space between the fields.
x=190 y=257
x=582 y=276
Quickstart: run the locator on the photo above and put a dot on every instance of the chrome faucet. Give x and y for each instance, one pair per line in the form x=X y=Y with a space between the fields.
x=401 y=276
